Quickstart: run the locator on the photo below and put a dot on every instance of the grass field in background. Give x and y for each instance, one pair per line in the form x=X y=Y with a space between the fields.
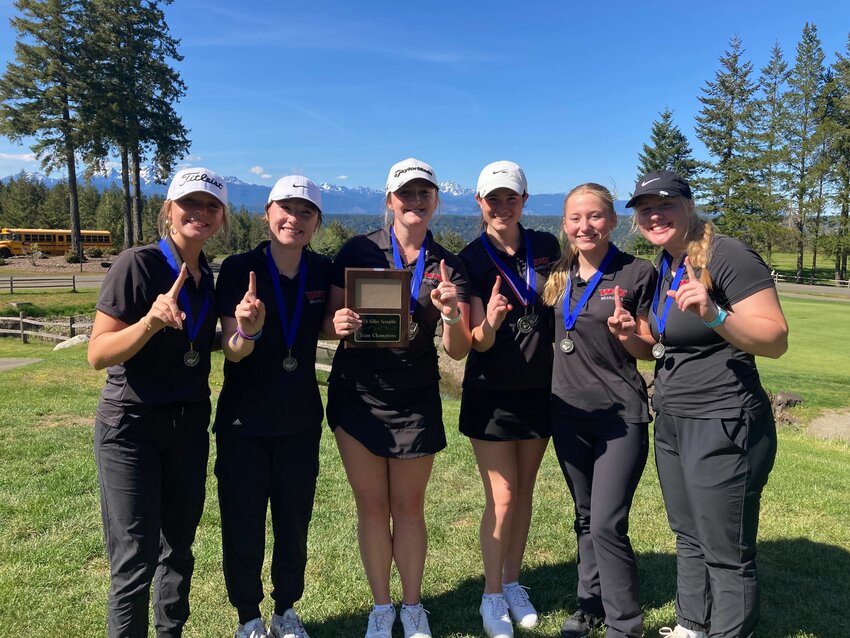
x=54 y=572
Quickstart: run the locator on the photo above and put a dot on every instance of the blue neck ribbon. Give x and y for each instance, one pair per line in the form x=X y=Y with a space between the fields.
x=192 y=326
x=289 y=329
x=570 y=316
x=525 y=291
x=666 y=260
x=418 y=272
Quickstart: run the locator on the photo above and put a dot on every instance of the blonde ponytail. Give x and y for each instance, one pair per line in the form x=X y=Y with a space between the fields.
x=700 y=234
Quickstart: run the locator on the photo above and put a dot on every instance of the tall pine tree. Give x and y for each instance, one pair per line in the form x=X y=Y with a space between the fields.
x=805 y=87
x=724 y=125
x=42 y=89
x=668 y=149
x=137 y=89
x=841 y=154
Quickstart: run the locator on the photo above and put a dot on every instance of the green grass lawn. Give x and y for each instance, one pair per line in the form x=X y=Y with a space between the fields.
x=54 y=573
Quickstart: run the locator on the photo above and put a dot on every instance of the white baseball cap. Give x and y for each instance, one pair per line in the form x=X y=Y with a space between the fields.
x=407 y=170
x=502 y=174
x=296 y=187
x=197 y=180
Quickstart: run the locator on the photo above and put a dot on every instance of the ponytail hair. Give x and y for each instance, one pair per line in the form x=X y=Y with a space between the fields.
x=699 y=236
x=556 y=284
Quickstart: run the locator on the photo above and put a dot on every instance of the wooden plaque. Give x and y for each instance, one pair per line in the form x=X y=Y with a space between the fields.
x=381 y=296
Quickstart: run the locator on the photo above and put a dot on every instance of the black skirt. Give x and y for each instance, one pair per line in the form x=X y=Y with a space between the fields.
x=505 y=416
x=400 y=424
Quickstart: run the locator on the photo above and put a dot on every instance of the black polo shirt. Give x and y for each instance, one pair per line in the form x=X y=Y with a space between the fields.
x=393 y=368
x=599 y=379
x=703 y=375
x=516 y=361
x=156 y=375
x=259 y=398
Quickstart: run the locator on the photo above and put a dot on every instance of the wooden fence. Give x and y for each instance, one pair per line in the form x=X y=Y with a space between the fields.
x=12 y=283
x=53 y=330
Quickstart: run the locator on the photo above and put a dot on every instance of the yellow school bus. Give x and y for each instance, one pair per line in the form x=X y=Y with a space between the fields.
x=21 y=241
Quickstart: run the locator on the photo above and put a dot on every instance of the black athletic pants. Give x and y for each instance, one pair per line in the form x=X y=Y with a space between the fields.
x=712 y=473
x=252 y=472
x=152 y=472
x=602 y=462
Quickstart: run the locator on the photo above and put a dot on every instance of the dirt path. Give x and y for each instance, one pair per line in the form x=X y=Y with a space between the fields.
x=832 y=424
x=9 y=364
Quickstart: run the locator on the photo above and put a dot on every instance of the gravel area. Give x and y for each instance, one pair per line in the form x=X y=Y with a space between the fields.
x=52 y=265
x=833 y=424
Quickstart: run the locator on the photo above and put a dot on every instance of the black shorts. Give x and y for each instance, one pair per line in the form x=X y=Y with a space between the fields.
x=400 y=424
x=495 y=415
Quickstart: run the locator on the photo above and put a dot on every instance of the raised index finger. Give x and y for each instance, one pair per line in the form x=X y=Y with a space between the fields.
x=618 y=305
x=692 y=278
x=178 y=284
x=496 y=286
x=444 y=272
x=252 y=284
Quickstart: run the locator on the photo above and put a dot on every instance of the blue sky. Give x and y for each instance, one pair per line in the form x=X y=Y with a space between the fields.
x=339 y=91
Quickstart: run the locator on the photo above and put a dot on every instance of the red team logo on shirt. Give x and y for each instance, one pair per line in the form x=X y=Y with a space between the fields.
x=607 y=294
x=316 y=296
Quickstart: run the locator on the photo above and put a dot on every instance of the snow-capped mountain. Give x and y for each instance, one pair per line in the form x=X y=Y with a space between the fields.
x=363 y=200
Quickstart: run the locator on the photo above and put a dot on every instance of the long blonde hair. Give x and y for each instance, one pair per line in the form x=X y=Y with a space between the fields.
x=556 y=284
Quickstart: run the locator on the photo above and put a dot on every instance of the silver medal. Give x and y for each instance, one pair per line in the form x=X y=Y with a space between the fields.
x=658 y=350
x=413 y=329
x=526 y=323
x=192 y=358
x=290 y=363
x=567 y=345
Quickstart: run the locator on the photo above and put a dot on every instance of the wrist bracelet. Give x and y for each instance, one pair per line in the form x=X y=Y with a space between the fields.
x=450 y=321
x=147 y=323
x=246 y=337
x=719 y=319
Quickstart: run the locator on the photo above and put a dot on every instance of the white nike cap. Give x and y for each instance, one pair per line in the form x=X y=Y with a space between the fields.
x=502 y=174
x=197 y=180
x=408 y=170
x=296 y=187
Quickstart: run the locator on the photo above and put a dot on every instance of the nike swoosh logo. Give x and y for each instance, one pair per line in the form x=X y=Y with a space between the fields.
x=649 y=181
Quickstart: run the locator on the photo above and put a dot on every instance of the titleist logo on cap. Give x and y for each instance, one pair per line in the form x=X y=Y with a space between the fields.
x=199 y=177
x=402 y=171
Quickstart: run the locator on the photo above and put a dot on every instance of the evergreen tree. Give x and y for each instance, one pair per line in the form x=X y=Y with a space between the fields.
x=22 y=200
x=767 y=162
x=805 y=86
x=89 y=198
x=841 y=155
x=42 y=89
x=53 y=210
x=137 y=89
x=669 y=150
x=724 y=125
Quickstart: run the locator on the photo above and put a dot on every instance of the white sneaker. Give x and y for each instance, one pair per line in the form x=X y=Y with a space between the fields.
x=287 y=626
x=415 y=621
x=381 y=623
x=497 y=619
x=252 y=629
x=522 y=611
x=680 y=632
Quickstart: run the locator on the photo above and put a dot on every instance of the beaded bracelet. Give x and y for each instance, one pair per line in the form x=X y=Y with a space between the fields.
x=247 y=337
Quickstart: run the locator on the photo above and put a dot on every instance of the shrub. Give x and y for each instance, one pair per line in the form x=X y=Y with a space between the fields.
x=95 y=253
x=72 y=258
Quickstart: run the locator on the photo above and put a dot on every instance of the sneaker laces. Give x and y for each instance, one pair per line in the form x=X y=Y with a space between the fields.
x=414 y=614
x=676 y=632
x=379 y=617
x=518 y=595
x=498 y=607
x=291 y=624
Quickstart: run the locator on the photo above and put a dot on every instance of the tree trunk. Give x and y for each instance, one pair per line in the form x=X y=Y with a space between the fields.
x=137 y=195
x=125 y=187
x=74 y=203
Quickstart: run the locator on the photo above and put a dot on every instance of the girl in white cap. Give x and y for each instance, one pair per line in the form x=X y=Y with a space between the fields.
x=153 y=330
x=272 y=304
x=384 y=403
x=505 y=404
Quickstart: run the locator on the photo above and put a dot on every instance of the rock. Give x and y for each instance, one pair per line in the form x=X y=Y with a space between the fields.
x=73 y=341
x=785 y=400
